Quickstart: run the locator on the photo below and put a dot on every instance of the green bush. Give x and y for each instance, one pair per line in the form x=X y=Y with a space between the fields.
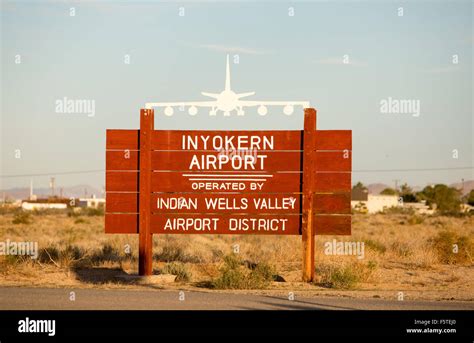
x=344 y=278
x=388 y=191
x=470 y=198
x=447 y=199
x=235 y=274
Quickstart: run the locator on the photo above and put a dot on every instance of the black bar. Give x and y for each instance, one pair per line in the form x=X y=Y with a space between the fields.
x=128 y=324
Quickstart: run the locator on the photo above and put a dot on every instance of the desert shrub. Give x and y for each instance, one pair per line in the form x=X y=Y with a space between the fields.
x=375 y=245
x=415 y=220
x=49 y=254
x=47 y=211
x=63 y=258
x=402 y=249
x=175 y=252
x=217 y=254
x=234 y=274
x=346 y=276
x=22 y=217
x=177 y=268
x=232 y=261
x=85 y=211
x=445 y=243
x=80 y=221
x=90 y=211
x=73 y=212
x=5 y=210
x=70 y=255
x=108 y=253
x=261 y=275
x=14 y=259
x=399 y=210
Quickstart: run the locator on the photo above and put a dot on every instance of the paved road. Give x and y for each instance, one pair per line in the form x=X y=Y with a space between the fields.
x=12 y=298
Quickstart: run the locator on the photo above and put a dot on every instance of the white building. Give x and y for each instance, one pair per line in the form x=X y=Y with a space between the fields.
x=379 y=203
x=30 y=206
x=91 y=202
x=364 y=202
x=420 y=207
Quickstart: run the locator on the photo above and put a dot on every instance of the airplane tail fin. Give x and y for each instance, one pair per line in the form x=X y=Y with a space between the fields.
x=227 y=75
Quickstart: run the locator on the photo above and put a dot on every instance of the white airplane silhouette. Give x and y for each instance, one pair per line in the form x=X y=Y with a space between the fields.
x=228 y=101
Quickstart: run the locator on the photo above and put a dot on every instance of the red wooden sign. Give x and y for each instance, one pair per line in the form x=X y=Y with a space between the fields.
x=228 y=182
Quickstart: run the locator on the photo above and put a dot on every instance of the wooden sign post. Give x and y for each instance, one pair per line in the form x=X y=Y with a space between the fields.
x=289 y=182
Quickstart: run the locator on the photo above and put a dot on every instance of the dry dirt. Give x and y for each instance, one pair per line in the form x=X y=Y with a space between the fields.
x=399 y=256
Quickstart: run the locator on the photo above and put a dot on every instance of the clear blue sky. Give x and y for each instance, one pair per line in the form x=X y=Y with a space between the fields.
x=281 y=58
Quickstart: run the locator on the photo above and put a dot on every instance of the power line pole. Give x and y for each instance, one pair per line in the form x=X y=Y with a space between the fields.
x=396 y=184
x=51 y=184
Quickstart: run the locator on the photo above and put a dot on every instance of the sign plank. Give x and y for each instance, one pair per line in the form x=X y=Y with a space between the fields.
x=207 y=203
x=121 y=160
x=233 y=161
x=339 y=203
x=127 y=181
x=218 y=140
x=121 y=202
x=332 y=182
x=207 y=161
x=122 y=139
x=121 y=223
x=332 y=224
x=226 y=203
x=333 y=161
x=323 y=224
x=207 y=224
x=207 y=140
x=121 y=181
x=333 y=140
x=228 y=182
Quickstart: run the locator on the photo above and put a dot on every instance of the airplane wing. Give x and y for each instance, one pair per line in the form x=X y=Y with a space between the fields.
x=149 y=105
x=249 y=103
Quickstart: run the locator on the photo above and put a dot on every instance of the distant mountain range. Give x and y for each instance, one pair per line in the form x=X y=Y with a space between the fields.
x=376 y=188
x=79 y=191
x=468 y=186
x=83 y=191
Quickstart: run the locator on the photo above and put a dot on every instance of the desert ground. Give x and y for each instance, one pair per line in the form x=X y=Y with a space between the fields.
x=404 y=253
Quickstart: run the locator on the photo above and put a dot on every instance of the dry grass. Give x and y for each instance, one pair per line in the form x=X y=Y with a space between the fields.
x=403 y=252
